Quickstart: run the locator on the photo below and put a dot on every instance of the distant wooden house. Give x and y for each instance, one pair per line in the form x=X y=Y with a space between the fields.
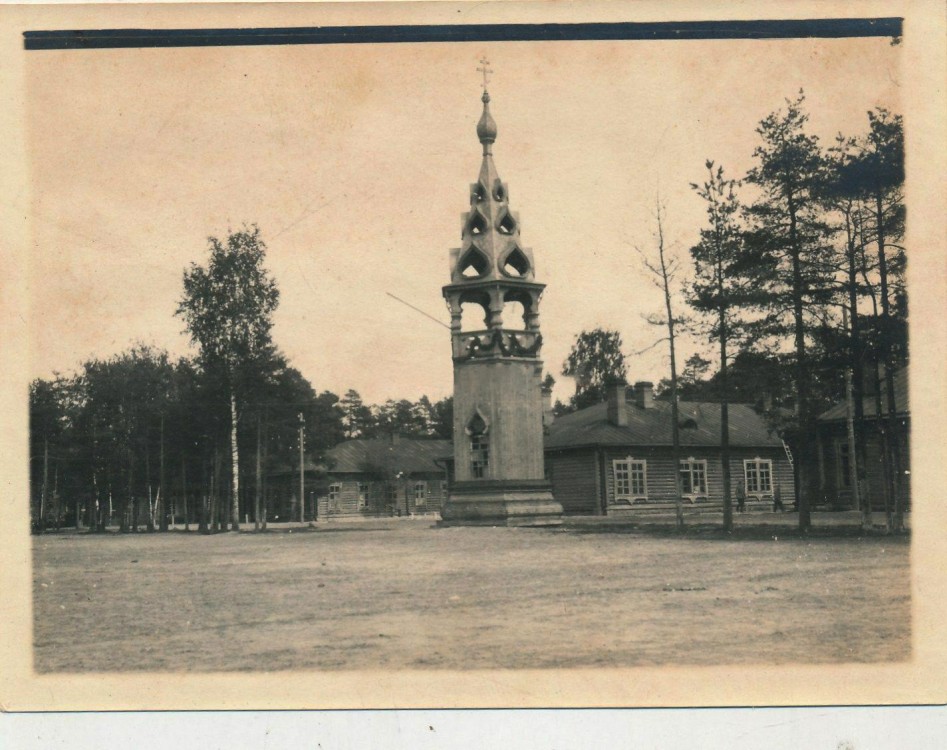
x=388 y=476
x=834 y=453
x=613 y=456
x=281 y=494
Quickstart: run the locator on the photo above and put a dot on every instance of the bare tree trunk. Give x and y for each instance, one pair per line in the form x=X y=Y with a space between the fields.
x=187 y=526
x=259 y=472
x=93 y=509
x=724 y=334
x=885 y=455
x=725 y=430
x=93 y=503
x=859 y=501
x=302 y=475
x=215 y=493
x=150 y=515
x=802 y=372
x=888 y=355
x=203 y=521
x=266 y=502
x=162 y=511
x=130 y=501
x=675 y=417
x=43 y=498
x=858 y=378
x=57 y=504
x=235 y=465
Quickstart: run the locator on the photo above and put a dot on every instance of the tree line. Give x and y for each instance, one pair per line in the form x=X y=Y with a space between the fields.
x=797 y=281
x=143 y=441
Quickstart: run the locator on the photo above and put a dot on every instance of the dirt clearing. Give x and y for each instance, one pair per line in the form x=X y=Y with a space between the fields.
x=400 y=594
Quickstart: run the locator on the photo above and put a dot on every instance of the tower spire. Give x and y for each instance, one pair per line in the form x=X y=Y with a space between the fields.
x=486 y=128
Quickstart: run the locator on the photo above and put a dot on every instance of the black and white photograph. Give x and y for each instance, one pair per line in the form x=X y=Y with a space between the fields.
x=384 y=345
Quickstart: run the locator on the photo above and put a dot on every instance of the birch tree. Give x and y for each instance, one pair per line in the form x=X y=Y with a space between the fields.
x=228 y=307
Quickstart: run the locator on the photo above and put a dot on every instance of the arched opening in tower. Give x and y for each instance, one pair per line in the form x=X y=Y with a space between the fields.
x=478 y=193
x=506 y=224
x=515 y=264
x=476 y=224
x=473 y=264
x=474 y=311
x=516 y=305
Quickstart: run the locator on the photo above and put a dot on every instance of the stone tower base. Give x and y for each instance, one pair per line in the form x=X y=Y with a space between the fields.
x=501 y=503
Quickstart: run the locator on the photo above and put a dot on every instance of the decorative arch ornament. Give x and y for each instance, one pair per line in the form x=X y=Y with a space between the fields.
x=476 y=224
x=478 y=424
x=515 y=264
x=473 y=264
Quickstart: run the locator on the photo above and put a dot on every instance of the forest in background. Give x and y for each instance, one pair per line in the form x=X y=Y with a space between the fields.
x=796 y=278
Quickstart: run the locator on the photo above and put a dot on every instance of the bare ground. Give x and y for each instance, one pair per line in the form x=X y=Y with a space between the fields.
x=400 y=594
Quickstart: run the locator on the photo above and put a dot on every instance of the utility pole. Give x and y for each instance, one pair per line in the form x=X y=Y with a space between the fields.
x=302 y=475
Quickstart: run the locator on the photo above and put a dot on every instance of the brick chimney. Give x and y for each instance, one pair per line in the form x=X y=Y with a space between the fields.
x=644 y=394
x=617 y=411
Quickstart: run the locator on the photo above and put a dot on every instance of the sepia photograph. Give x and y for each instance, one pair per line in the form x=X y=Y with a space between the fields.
x=370 y=345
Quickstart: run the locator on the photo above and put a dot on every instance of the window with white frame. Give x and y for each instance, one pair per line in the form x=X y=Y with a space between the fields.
x=693 y=477
x=335 y=492
x=479 y=455
x=420 y=493
x=362 y=494
x=758 y=473
x=630 y=479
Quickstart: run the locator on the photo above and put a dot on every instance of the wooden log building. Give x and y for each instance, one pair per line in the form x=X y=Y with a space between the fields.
x=386 y=476
x=835 y=479
x=611 y=457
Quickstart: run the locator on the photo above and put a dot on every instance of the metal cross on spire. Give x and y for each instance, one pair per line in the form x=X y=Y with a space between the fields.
x=484 y=62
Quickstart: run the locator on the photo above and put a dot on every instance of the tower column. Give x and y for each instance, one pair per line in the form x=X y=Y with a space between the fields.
x=499 y=464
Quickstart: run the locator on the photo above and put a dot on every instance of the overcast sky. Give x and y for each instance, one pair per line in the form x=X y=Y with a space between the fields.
x=355 y=162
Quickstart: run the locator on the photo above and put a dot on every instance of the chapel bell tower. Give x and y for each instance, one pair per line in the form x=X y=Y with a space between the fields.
x=499 y=476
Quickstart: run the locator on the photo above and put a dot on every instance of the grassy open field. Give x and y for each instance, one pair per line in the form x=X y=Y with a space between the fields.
x=400 y=594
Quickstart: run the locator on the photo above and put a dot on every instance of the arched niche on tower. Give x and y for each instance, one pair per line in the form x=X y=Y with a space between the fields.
x=478 y=193
x=506 y=223
x=474 y=307
x=500 y=192
x=477 y=424
x=473 y=264
x=476 y=224
x=515 y=264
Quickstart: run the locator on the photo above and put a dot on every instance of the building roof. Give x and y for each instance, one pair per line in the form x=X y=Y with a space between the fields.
x=902 y=405
x=408 y=455
x=652 y=427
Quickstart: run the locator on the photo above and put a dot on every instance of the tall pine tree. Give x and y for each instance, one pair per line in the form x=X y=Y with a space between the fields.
x=790 y=239
x=723 y=285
